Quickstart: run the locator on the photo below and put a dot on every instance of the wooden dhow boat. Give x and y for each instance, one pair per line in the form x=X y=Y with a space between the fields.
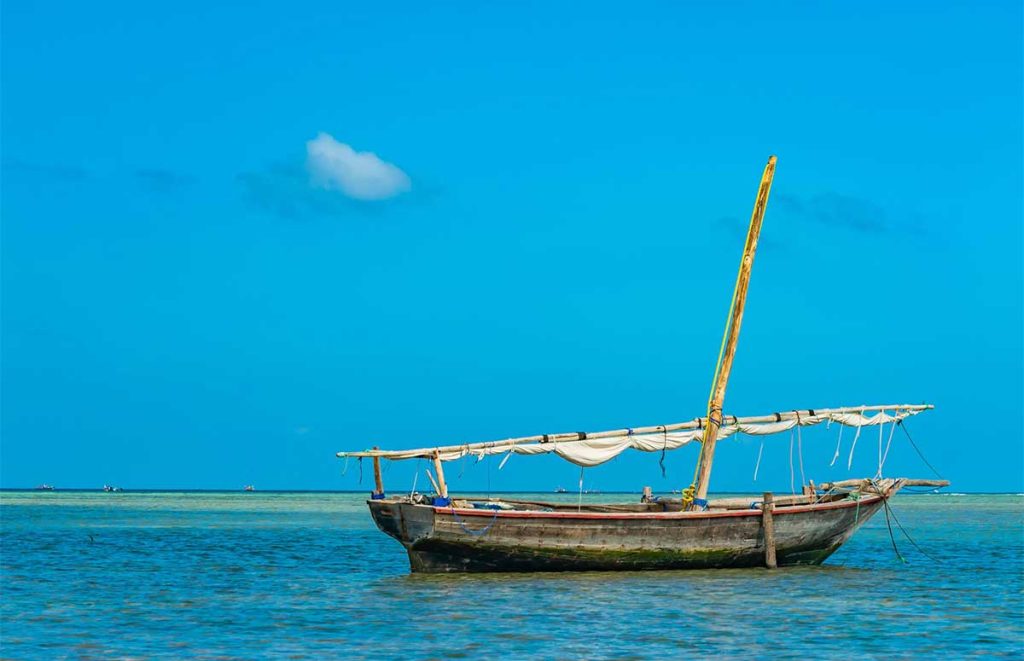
x=444 y=533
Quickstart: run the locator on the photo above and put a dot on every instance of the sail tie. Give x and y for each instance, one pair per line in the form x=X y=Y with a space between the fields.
x=838 y=444
x=888 y=445
x=849 y=462
x=800 y=450
x=792 y=484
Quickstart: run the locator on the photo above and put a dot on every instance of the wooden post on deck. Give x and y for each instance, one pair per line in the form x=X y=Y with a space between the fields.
x=377 y=479
x=767 y=509
x=442 y=487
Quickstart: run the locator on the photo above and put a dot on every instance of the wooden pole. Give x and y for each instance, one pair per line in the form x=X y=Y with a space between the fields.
x=442 y=488
x=377 y=478
x=732 y=334
x=767 y=514
x=433 y=482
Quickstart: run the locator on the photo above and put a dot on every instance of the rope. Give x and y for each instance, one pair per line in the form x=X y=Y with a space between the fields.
x=838 y=444
x=800 y=451
x=888 y=445
x=885 y=503
x=881 y=429
x=579 y=502
x=475 y=533
x=909 y=538
x=792 y=484
x=360 y=471
x=905 y=431
x=758 y=464
x=853 y=447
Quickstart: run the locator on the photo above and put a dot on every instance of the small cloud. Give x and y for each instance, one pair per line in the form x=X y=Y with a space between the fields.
x=54 y=171
x=284 y=191
x=163 y=181
x=835 y=209
x=333 y=165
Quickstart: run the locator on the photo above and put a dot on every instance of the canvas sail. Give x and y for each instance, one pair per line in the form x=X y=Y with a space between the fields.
x=592 y=449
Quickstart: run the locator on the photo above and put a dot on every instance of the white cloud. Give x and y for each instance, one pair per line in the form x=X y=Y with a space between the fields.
x=336 y=166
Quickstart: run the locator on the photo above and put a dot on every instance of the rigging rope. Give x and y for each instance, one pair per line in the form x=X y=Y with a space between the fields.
x=800 y=451
x=919 y=453
x=758 y=464
x=792 y=485
x=888 y=445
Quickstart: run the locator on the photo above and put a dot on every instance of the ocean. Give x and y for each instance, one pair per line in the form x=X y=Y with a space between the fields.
x=307 y=576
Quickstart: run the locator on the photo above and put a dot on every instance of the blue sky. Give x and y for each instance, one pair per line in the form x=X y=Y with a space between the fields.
x=190 y=299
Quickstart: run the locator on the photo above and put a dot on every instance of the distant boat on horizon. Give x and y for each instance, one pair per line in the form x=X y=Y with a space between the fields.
x=111 y=489
x=45 y=487
x=249 y=487
x=561 y=490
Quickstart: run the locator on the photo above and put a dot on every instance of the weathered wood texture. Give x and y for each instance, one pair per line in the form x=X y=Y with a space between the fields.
x=445 y=539
x=768 y=523
x=378 y=479
x=442 y=486
x=717 y=400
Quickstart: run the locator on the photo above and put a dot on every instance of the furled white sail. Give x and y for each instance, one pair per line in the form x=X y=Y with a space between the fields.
x=591 y=449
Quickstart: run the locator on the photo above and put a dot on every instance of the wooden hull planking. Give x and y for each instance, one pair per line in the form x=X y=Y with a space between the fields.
x=452 y=539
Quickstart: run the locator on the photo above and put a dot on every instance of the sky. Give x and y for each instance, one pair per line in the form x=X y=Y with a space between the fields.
x=240 y=237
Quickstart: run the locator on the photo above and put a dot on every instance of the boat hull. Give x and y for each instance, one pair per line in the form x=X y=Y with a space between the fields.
x=449 y=539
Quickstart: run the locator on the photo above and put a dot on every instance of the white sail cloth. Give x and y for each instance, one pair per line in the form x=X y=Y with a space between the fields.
x=593 y=451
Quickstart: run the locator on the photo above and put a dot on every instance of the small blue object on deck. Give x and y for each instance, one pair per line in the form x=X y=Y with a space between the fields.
x=377 y=496
x=701 y=503
x=440 y=501
x=486 y=506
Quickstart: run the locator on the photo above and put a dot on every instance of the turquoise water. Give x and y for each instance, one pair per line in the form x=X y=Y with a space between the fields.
x=256 y=575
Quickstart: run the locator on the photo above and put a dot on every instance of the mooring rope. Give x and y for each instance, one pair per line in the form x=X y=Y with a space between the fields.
x=475 y=533
x=911 y=539
x=892 y=538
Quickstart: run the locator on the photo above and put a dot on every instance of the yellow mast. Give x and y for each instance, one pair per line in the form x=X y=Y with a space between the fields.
x=699 y=489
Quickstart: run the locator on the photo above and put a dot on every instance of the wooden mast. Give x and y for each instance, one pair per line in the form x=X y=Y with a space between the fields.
x=732 y=333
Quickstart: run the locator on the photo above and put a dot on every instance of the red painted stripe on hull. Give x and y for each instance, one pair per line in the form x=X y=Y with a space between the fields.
x=613 y=516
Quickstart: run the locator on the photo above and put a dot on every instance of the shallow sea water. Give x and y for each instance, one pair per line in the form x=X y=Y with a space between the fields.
x=307 y=575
